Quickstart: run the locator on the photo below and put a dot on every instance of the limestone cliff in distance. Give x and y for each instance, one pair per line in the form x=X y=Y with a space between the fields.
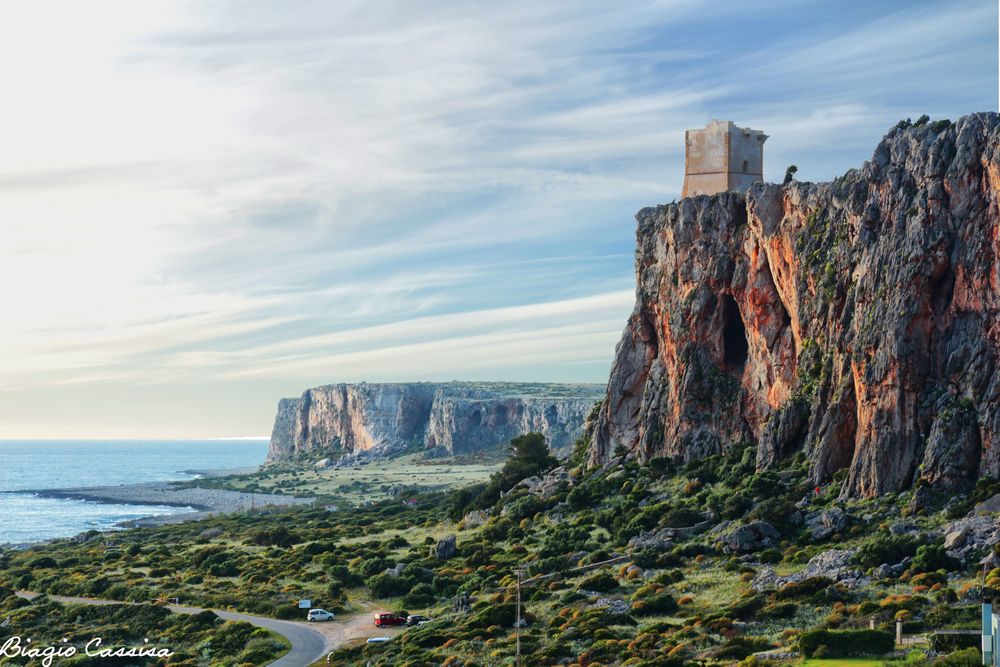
x=857 y=321
x=452 y=418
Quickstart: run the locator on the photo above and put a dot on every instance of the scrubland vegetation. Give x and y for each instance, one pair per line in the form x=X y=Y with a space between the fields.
x=670 y=599
x=197 y=639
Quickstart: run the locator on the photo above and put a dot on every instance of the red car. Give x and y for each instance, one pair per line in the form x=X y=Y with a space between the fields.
x=385 y=620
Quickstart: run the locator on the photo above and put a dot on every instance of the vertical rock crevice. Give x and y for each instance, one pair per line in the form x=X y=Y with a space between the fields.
x=734 y=337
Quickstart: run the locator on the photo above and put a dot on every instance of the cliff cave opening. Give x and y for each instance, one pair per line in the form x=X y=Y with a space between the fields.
x=734 y=335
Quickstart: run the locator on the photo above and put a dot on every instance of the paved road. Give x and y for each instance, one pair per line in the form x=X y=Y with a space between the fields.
x=308 y=646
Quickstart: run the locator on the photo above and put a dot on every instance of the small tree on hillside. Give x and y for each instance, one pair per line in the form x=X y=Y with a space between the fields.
x=529 y=455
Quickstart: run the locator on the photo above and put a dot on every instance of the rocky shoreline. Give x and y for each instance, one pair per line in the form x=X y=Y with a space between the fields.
x=222 y=472
x=169 y=494
x=200 y=502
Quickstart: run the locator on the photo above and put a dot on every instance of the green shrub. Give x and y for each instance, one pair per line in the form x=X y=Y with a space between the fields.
x=931 y=557
x=763 y=485
x=502 y=614
x=652 y=600
x=742 y=647
x=968 y=657
x=387 y=586
x=805 y=588
x=525 y=507
x=745 y=608
x=259 y=650
x=735 y=506
x=779 y=610
x=777 y=511
x=41 y=562
x=947 y=643
x=421 y=595
x=580 y=497
x=844 y=643
x=681 y=518
x=601 y=582
x=279 y=536
x=769 y=556
x=889 y=549
x=372 y=566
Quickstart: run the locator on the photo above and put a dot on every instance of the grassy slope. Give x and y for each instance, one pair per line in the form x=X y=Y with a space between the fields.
x=686 y=603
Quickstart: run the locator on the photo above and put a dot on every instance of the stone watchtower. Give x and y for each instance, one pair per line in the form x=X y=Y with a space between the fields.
x=722 y=157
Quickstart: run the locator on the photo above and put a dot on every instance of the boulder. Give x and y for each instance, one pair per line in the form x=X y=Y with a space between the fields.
x=824 y=524
x=972 y=534
x=956 y=538
x=753 y=536
x=922 y=499
x=549 y=485
x=886 y=571
x=988 y=506
x=531 y=483
x=614 y=607
x=835 y=564
x=445 y=548
x=660 y=540
x=904 y=528
x=475 y=518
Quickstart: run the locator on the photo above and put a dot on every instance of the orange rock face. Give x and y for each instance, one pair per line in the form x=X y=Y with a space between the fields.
x=857 y=321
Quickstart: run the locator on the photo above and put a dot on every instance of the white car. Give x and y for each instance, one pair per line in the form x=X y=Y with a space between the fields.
x=319 y=615
x=378 y=640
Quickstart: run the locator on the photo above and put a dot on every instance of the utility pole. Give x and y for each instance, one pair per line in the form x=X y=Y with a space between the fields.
x=517 y=623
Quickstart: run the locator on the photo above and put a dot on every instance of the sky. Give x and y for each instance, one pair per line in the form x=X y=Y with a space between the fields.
x=208 y=206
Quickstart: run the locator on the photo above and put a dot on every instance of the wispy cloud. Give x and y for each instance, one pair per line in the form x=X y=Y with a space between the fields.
x=220 y=203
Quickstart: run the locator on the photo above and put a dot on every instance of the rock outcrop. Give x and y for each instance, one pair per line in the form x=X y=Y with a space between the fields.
x=858 y=320
x=445 y=548
x=749 y=538
x=834 y=564
x=456 y=418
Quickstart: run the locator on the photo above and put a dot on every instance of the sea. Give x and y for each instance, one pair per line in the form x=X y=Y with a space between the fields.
x=27 y=465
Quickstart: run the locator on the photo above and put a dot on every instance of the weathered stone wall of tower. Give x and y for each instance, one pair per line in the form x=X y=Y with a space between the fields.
x=722 y=158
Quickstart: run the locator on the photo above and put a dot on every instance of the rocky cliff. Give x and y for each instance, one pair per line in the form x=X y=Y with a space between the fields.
x=456 y=418
x=856 y=321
